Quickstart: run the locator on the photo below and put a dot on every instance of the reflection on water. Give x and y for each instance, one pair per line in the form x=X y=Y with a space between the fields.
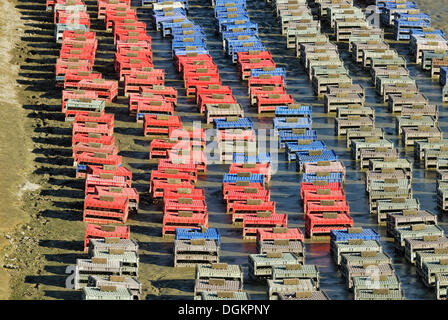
x=285 y=182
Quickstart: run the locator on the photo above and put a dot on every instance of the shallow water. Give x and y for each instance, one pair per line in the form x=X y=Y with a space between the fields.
x=285 y=182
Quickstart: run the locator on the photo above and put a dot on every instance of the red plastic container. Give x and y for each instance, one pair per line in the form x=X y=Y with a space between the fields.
x=317 y=225
x=253 y=223
x=104 y=209
x=95 y=231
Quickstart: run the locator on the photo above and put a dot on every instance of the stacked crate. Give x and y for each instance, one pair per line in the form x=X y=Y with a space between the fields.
x=220 y=280
x=194 y=247
x=367 y=270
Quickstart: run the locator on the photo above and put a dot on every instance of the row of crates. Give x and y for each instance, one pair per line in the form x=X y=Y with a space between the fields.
x=111 y=270
x=367 y=270
x=319 y=165
x=388 y=181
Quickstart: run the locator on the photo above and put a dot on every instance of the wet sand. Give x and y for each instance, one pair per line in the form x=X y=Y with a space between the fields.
x=52 y=238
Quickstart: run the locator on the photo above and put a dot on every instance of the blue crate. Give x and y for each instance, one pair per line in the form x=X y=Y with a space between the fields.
x=182 y=51
x=225 y=35
x=292 y=148
x=443 y=75
x=198 y=31
x=245 y=26
x=185 y=2
x=221 y=22
x=241 y=123
x=182 y=45
x=222 y=3
x=327 y=155
x=275 y=72
x=393 y=5
x=284 y=111
x=161 y=13
x=281 y=124
x=233 y=178
x=256 y=47
x=193 y=233
x=158 y=20
x=285 y=136
x=259 y=158
x=235 y=42
x=343 y=235
x=386 y=16
x=332 y=177
x=221 y=12
x=421 y=32
x=167 y=26
x=178 y=38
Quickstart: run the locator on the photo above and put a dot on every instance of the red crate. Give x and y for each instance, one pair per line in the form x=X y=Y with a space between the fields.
x=93 y=147
x=172 y=221
x=268 y=102
x=258 y=168
x=159 y=148
x=93 y=117
x=91 y=158
x=196 y=157
x=73 y=77
x=322 y=194
x=138 y=35
x=305 y=186
x=193 y=70
x=232 y=196
x=155 y=107
x=316 y=224
x=173 y=174
x=169 y=93
x=79 y=35
x=240 y=186
x=214 y=98
x=265 y=80
x=127 y=59
x=137 y=79
x=197 y=80
x=160 y=124
x=263 y=90
x=94 y=231
x=136 y=98
x=190 y=59
x=241 y=208
x=291 y=234
x=320 y=206
x=92 y=137
x=184 y=204
x=105 y=180
x=187 y=168
x=115 y=15
x=71 y=114
x=173 y=193
x=246 y=66
x=235 y=135
x=111 y=169
x=92 y=127
x=253 y=223
x=130 y=193
x=106 y=89
x=125 y=27
x=77 y=94
x=62 y=65
x=130 y=44
x=103 y=209
x=212 y=89
x=78 y=50
x=245 y=56
x=104 y=5
x=75 y=17
x=158 y=187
